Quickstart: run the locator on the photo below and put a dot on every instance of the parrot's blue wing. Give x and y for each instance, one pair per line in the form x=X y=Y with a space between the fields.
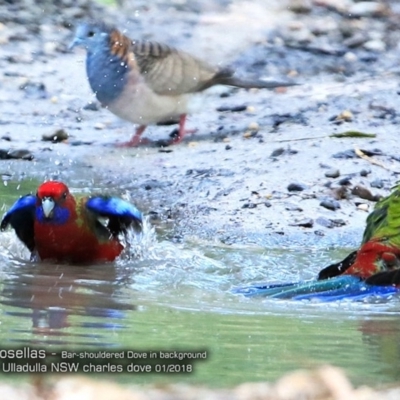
x=120 y=213
x=21 y=216
x=338 y=288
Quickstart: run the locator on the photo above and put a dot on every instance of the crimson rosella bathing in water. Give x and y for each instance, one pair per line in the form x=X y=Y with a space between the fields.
x=373 y=269
x=377 y=261
x=55 y=225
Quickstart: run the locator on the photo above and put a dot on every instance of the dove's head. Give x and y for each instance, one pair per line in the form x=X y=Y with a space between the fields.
x=90 y=36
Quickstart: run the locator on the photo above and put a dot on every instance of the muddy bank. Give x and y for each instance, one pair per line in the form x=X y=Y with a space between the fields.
x=266 y=169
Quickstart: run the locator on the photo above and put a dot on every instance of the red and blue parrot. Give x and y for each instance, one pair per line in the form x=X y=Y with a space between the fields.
x=54 y=225
x=373 y=269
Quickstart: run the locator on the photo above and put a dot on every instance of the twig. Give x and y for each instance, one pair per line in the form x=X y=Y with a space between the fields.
x=372 y=161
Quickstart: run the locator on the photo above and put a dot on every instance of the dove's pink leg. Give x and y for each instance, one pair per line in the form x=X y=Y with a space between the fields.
x=182 y=131
x=136 y=139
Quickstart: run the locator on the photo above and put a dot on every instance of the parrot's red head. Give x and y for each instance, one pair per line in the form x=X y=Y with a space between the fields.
x=51 y=194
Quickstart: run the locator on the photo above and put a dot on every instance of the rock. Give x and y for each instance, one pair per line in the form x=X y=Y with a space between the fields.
x=300 y=6
x=277 y=152
x=34 y=90
x=340 y=193
x=362 y=192
x=292 y=207
x=345 y=181
x=21 y=154
x=58 y=136
x=368 y=9
x=377 y=183
x=3 y=154
x=365 y=172
x=347 y=154
x=330 y=223
x=357 y=40
x=249 y=205
x=330 y=204
x=253 y=126
x=250 y=134
x=345 y=115
x=333 y=173
x=296 y=187
x=92 y=106
x=305 y=223
x=363 y=207
x=99 y=126
x=375 y=45
x=350 y=57
x=240 y=108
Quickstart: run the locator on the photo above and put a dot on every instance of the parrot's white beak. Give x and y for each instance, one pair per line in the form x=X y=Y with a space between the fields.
x=48 y=206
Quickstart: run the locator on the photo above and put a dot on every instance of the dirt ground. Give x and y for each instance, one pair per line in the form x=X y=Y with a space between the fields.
x=230 y=181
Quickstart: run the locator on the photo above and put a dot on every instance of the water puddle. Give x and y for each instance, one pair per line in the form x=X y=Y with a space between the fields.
x=176 y=296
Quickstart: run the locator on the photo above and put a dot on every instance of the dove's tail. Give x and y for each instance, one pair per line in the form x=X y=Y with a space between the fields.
x=227 y=77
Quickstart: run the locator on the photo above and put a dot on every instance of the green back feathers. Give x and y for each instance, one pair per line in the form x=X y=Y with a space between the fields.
x=384 y=221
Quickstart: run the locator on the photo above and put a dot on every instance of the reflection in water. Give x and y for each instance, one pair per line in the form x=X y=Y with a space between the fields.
x=52 y=295
x=382 y=335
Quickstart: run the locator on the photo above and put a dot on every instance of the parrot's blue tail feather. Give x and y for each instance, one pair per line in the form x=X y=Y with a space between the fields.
x=338 y=288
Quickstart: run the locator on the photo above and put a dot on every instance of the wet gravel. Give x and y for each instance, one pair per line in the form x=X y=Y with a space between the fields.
x=263 y=166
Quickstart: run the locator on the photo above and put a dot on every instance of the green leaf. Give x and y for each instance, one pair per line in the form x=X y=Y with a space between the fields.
x=353 y=134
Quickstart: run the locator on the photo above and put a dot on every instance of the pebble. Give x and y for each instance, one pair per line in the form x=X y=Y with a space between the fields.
x=363 y=207
x=377 y=183
x=305 y=223
x=249 y=205
x=345 y=154
x=333 y=173
x=375 y=45
x=362 y=192
x=345 y=181
x=367 y=9
x=301 y=6
x=19 y=154
x=365 y=172
x=340 y=193
x=350 y=57
x=292 y=207
x=249 y=134
x=253 y=126
x=34 y=90
x=232 y=108
x=356 y=40
x=330 y=223
x=99 y=126
x=277 y=152
x=296 y=187
x=58 y=136
x=330 y=204
x=92 y=106
x=345 y=115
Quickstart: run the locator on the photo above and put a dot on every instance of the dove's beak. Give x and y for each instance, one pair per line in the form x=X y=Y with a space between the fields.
x=76 y=42
x=48 y=206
